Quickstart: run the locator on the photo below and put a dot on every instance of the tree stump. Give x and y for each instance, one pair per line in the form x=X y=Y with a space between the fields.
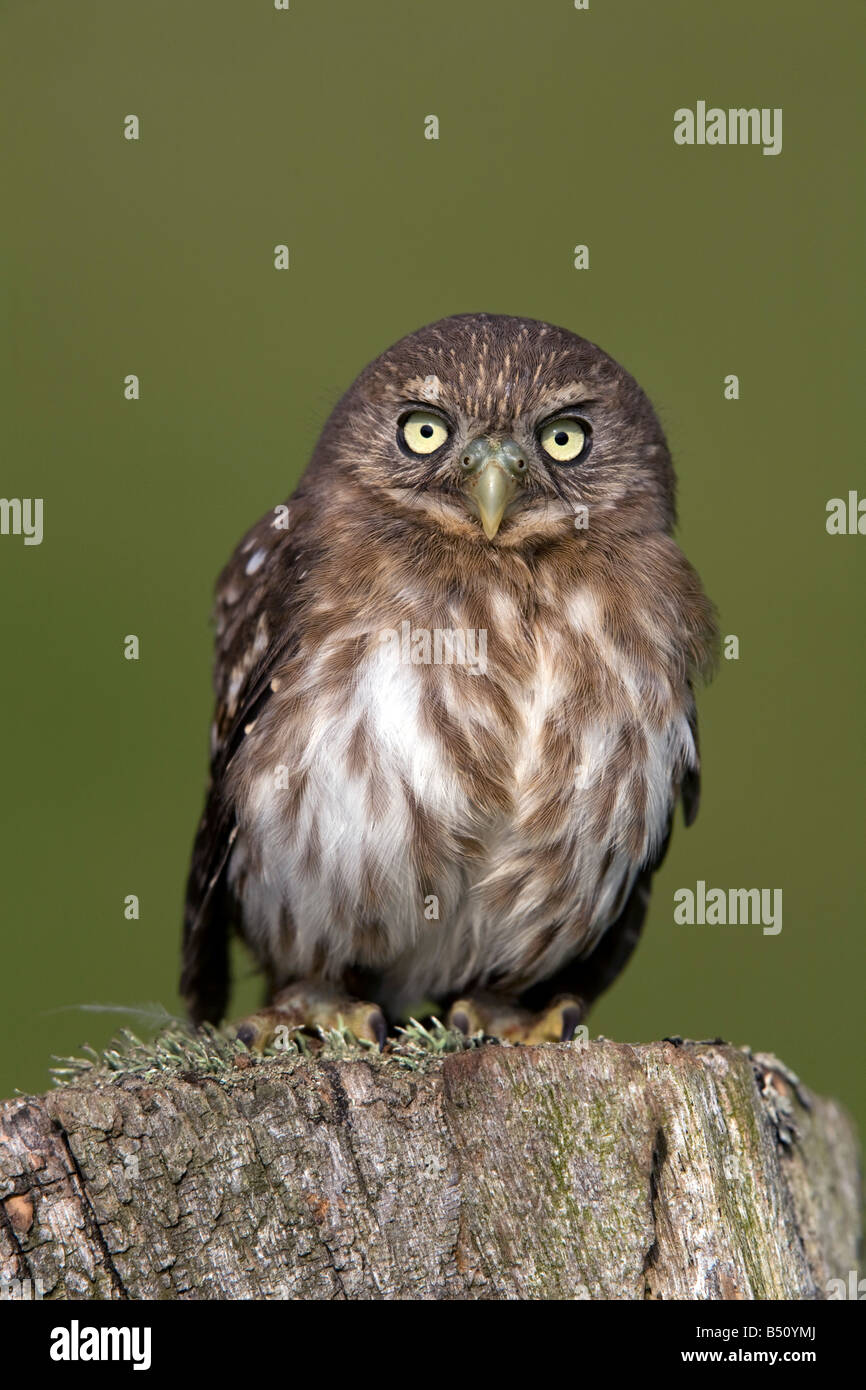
x=585 y=1170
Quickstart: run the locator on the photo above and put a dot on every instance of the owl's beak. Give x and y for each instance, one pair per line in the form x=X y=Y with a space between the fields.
x=492 y=474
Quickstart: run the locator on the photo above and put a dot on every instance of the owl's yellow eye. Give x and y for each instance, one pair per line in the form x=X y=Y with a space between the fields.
x=423 y=433
x=563 y=440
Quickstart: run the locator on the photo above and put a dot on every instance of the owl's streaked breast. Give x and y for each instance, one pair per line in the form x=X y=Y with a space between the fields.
x=449 y=826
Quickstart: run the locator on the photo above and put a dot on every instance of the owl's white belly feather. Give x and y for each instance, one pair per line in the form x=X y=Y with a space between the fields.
x=434 y=942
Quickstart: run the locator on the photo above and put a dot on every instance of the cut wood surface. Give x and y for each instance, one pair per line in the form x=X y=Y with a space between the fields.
x=589 y=1170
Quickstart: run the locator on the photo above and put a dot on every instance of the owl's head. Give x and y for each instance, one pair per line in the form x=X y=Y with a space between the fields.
x=505 y=431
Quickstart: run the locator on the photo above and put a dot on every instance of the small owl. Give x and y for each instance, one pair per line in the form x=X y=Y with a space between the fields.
x=455 y=710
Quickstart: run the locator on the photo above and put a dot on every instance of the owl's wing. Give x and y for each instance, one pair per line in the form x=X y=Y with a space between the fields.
x=256 y=631
x=593 y=974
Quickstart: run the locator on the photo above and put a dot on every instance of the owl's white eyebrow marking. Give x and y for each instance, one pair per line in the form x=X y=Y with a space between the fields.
x=571 y=393
x=428 y=388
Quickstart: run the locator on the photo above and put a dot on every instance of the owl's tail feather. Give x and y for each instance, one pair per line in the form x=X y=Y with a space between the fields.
x=204 y=981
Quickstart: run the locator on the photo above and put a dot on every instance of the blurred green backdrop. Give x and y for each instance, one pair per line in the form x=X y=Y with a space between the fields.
x=156 y=258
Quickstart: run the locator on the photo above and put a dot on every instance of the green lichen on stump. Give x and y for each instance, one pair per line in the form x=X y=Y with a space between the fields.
x=215 y=1052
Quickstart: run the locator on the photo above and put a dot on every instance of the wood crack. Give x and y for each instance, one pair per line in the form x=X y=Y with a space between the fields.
x=659 y=1155
x=91 y=1220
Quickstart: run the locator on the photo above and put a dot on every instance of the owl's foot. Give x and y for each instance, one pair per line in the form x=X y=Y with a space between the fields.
x=309 y=1004
x=501 y=1019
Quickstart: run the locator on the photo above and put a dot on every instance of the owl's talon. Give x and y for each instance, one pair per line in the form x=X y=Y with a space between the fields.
x=557 y=1023
x=258 y=1030
x=468 y=1017
x=379 y=1028
x=459 y=1019
x=366 y=1021
x=313 y=1006
x=485 y=1014
x=571 y=1017
x=499 y=1019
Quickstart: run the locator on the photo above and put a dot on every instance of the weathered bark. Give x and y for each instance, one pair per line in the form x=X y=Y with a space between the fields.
x=575 y=1171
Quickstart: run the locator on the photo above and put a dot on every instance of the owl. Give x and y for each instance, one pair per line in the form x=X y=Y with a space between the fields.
x=454 y=698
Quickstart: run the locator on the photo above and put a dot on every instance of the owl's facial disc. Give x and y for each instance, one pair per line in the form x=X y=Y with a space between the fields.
x=493 y=472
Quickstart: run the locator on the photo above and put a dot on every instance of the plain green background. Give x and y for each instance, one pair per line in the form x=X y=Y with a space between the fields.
x=156 y=257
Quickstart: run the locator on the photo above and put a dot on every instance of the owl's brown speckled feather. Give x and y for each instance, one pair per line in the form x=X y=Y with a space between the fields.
x=486 y=823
